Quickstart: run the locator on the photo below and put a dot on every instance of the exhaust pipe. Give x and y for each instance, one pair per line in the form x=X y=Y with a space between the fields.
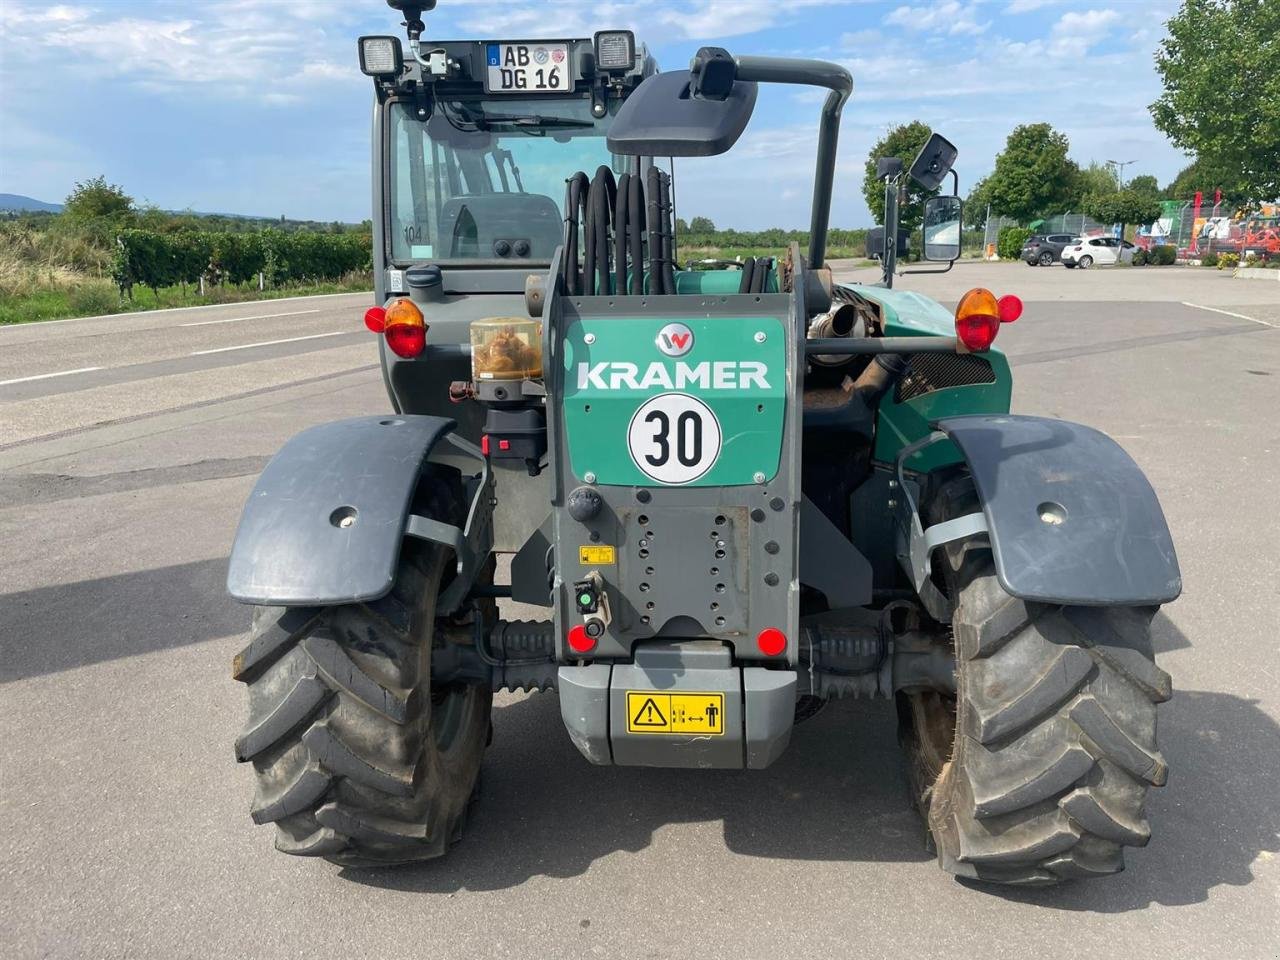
x=843 y=321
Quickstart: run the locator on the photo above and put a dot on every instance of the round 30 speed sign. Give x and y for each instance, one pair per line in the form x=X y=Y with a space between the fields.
x=674 y=438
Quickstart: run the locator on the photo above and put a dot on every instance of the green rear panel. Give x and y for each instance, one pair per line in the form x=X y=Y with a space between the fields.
x=909 y=314
x=750 y=417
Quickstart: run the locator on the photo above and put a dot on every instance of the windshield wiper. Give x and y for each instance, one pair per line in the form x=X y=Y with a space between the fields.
x=484 y=121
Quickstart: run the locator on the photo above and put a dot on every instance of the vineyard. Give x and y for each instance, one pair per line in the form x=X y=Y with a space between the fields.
x=151 y=259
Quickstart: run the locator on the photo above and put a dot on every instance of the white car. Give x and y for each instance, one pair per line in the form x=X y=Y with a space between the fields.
x=1097 y=250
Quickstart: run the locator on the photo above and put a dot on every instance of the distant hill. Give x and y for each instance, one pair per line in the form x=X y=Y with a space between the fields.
x=16 y=201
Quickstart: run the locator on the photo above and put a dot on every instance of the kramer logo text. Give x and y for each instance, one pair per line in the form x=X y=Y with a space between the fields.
x=706 y=375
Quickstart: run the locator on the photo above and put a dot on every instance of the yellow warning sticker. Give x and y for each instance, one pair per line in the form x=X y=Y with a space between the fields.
x=596 y=556
x=675 y=713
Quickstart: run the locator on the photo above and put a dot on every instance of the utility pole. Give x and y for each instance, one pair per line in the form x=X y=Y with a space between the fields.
x=1120 y=165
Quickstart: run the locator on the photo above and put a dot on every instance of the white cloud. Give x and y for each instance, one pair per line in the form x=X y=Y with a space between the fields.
x=1075 y=33
x=949 y=17
x=1026 y=6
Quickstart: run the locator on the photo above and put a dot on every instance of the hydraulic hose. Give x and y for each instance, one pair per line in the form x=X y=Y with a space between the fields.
x=601 y=200
x=620 y=226
x=575 y=209
x=635 y=228
x=748 y=275
x=668 y=229
x=656 y=273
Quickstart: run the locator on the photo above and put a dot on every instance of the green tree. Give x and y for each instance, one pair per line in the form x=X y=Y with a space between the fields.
x=701 y=225
x=96 y=199
x=975 y=205
x=1122 y=207
x=1095 y=178
x=903 y=142
x=1202 y=176
x=1033 y=176
x=1144 y=184
x=1220 y=65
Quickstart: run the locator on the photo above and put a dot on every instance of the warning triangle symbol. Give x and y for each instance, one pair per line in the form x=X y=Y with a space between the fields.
x=649 y=715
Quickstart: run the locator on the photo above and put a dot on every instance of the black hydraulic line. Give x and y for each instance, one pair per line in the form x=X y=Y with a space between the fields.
x=635 y=235
x=575 y=206
x=668 y=253
x=762 y=274
x=653 y=181
x=748 y=275
x=621 y=224
x=603 y=197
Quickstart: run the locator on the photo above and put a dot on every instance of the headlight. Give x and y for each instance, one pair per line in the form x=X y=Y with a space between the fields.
x=380 y=56
x=615 y=50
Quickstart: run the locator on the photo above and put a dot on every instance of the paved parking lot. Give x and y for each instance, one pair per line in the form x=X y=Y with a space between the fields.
x=125 y=818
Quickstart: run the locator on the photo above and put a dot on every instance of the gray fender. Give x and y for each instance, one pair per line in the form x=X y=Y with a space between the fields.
x=326 y=519
x=1071 y=518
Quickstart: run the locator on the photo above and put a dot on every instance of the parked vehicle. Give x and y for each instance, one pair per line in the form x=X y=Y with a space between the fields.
x=1102 y=251
x=1043 y=251
x=717 y=546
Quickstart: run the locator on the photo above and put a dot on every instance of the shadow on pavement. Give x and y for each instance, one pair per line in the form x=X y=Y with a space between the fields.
x=72 y=625
x=840 y=794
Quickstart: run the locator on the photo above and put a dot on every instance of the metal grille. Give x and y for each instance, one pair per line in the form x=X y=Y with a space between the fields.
x=928 y=372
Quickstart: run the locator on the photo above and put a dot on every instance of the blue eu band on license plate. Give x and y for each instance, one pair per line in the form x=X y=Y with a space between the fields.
x=524 y=68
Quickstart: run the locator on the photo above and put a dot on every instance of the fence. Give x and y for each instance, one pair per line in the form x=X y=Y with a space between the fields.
x=1076 y=224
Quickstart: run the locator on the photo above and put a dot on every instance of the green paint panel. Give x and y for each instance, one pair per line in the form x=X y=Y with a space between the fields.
x=909 y=314
x=725 y=352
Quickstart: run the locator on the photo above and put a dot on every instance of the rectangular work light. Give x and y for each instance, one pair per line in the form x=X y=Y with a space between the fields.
x=615 y=50
x=380 y=56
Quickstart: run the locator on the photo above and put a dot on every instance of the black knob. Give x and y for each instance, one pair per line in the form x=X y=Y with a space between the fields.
x=522 y=248
x=584 y=504
x=502 y=248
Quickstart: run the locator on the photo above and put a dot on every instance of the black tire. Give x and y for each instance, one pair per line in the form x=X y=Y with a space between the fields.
x=1085 y=262
x=1046 y=259
x=356 y=758
x=1069 y=266
x=1037 y=770
x=1031 y=263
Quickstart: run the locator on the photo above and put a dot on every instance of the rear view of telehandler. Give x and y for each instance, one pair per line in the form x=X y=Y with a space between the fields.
x=735 y=492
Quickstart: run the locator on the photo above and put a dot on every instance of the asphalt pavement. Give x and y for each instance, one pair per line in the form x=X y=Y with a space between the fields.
x=127 y=447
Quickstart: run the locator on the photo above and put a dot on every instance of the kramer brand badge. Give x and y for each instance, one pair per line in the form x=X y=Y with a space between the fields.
x=675 y=340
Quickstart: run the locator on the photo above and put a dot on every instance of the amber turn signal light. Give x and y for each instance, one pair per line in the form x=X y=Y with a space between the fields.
x=978 y=320
x=405 y=328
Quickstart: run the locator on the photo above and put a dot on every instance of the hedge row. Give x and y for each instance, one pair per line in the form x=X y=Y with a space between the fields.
x=166 y=259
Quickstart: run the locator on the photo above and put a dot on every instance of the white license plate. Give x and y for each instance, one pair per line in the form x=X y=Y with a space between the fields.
x=527 y=68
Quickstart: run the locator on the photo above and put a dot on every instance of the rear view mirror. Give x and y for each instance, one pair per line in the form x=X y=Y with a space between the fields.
x=942 y=228
x=933 y=162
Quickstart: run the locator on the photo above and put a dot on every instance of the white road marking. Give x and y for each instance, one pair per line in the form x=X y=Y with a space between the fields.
x=203 y=306
x=46 y=376
x=271 y=343
x=1240 y=316
x=264 y=316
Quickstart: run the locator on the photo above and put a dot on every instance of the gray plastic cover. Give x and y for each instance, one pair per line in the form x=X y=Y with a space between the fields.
x=326 y=519
x=662 y=119
x=1072 y=518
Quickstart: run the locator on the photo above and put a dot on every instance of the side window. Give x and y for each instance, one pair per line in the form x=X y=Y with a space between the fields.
x=1095 y=243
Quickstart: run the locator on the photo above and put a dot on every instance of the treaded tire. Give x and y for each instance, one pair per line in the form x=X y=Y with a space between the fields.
x=1053 y=729
x=356 y=758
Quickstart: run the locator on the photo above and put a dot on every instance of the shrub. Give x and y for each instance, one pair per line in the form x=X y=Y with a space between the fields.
x=1140 y=258
x=1163 y=255
x=94 y=298
x=1228 y=261
x=1210 y=259
x=1009 y=242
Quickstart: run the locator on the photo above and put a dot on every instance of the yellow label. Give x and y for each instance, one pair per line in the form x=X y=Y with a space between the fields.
x=596 y=556
x=675 y=713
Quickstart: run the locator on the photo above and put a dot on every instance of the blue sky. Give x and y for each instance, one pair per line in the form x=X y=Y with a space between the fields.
x=258 y=107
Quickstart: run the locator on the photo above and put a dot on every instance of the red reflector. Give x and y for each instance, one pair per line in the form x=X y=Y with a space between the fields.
x=977 y=331
x=1010 y=308
x=406 y=341
x=484 y=444
x=771 y=641
x=375 y=318
x=579 y=642
x=504 y=444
